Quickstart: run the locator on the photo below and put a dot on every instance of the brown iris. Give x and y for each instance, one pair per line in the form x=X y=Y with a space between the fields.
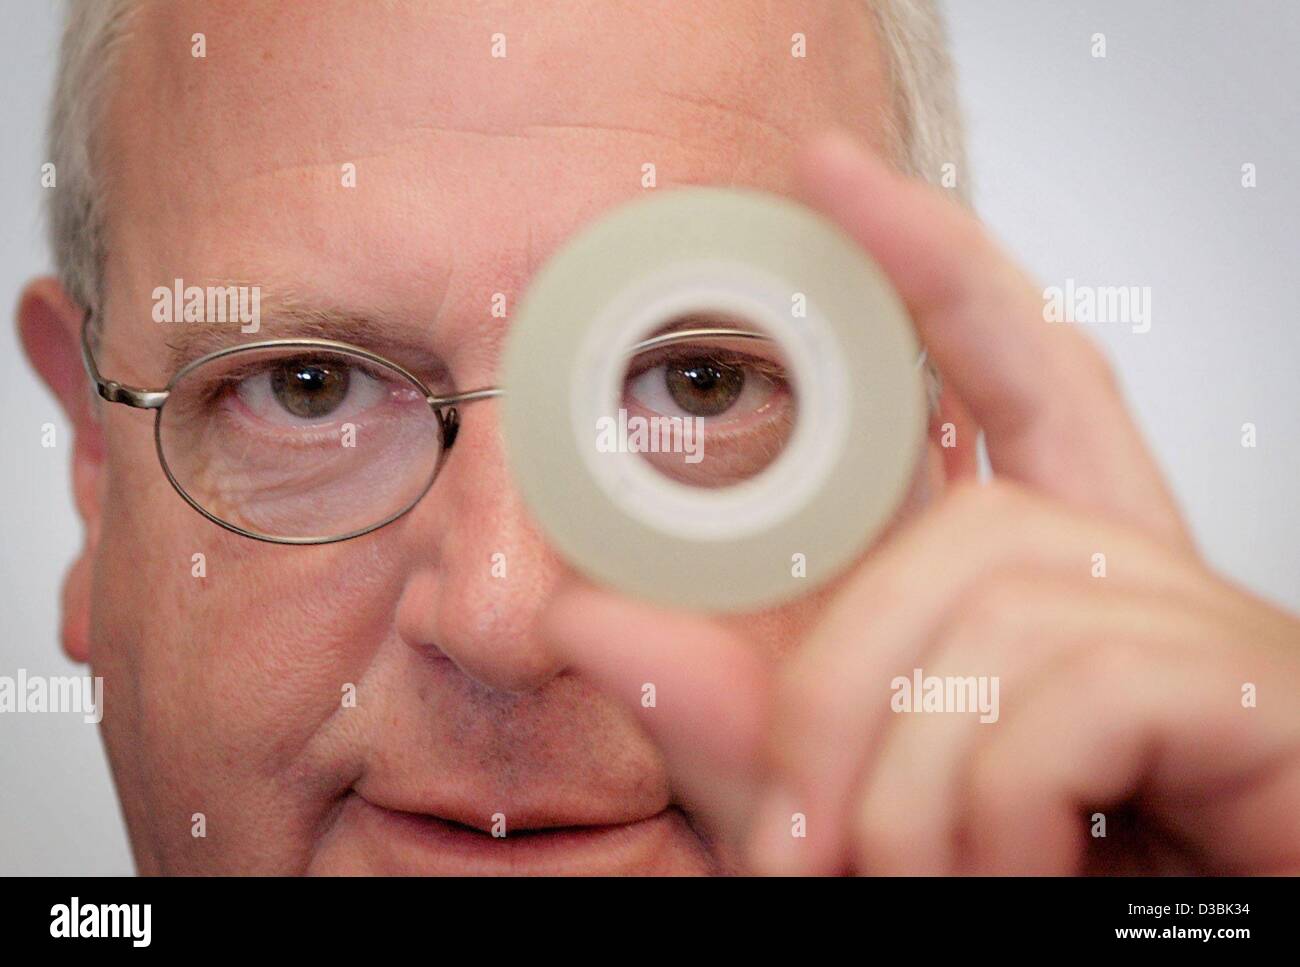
x=704 y=387
x=308 y=388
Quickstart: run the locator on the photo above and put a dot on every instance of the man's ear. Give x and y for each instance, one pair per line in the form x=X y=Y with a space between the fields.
x=956 y=436
x=49 y=327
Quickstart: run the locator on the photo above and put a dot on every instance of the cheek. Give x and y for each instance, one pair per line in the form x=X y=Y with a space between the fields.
x=225 y=659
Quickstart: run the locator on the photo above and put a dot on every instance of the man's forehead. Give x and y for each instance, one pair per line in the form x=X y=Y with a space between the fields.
x=481 y=134
x=485 y=66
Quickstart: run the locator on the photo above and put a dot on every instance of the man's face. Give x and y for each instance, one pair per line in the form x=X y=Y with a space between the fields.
x=225 y=692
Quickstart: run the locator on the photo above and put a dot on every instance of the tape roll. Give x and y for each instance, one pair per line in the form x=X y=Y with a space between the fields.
x=852 y=352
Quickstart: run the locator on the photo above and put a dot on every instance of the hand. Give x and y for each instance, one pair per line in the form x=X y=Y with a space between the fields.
x=1125 y=695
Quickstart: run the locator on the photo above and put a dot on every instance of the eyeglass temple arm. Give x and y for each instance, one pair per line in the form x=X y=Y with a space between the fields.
x=111 y=389
x=469 y=396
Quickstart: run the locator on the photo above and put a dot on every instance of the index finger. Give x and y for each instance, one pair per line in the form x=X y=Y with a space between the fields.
x=1051 y=410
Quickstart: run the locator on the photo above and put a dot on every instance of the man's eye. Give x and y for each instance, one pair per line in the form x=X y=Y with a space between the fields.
x=705 y=386
x=310 y=390
x=305 y=391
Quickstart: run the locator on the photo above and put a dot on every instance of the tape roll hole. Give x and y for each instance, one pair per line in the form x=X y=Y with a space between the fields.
x=708 y=400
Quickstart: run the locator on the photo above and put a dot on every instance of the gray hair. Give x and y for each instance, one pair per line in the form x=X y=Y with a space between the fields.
x=91 y=37
x=926 y=126
x=927 y=119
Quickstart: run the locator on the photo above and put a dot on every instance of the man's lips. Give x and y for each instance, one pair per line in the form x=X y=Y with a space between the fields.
x=401 y=841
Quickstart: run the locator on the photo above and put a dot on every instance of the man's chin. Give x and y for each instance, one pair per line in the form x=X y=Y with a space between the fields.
x=368 y=839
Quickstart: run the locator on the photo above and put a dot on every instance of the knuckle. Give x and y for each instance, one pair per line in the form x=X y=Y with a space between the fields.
x=1107 y=664
x=994 y=610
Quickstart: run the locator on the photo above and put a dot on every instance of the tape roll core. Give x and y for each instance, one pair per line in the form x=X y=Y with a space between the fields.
x=852 y=353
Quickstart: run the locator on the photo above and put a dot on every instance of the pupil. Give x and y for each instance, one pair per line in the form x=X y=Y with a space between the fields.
x=705 y=387
x=704 y=377
x=309 y=389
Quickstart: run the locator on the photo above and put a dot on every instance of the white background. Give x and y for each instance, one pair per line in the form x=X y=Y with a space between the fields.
x=1122 y=171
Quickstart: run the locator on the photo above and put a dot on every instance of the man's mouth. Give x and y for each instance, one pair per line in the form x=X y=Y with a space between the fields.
x=399 y=841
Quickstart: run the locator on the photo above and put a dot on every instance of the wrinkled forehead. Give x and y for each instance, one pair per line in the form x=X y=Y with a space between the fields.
x=499 y=64
x=460 y=120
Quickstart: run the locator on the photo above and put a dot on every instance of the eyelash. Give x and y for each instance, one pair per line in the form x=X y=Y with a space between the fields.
x=682 y=356
x=229 y=380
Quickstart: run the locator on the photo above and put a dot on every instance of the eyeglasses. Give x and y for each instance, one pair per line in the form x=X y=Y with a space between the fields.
x=313 y=441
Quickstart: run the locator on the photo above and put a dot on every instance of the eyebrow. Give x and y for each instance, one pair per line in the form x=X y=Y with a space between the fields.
x=392 y=339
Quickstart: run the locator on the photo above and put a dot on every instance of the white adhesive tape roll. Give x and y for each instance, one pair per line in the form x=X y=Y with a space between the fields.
x=852 y=354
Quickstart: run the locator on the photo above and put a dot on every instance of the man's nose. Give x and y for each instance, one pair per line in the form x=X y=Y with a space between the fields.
x=484 y=574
